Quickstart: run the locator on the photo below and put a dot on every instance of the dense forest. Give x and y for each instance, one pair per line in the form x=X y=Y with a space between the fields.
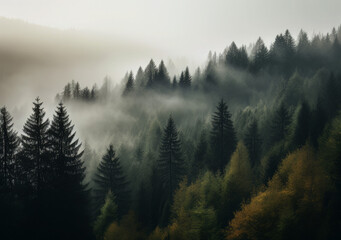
x=246 y=146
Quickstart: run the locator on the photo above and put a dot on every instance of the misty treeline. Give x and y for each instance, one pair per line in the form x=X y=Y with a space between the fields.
x=248 y=147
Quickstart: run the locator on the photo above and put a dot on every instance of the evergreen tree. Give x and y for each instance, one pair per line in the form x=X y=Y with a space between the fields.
x=67 y=92
x=9 y=144
x=187 y=79
x=260 y=56
x=110 y=177
x=86 y=94
x=162 y=78
x=150 y=74
x=182 y=83
x=280 y=124
x=252 y=142
x=170 y=166
x=77 y=91
x=129 y=85
x=170 y=161
x=69 y=197
x=139 y=79
x=35 y=145
x=223 y=137
x=174 y=83
x=94 y=92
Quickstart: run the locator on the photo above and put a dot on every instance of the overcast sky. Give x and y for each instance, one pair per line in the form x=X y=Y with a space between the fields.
x=186 y=27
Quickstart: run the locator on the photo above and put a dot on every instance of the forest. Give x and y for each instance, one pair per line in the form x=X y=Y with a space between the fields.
x=246 y=146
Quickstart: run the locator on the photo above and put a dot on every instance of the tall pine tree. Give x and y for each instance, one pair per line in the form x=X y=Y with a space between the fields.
x=9 y=143
x=223 y=137
x=69 y=193
x=170 y=166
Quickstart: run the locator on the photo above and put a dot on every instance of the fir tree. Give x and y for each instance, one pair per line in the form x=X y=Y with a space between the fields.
x=67 y=92
x=170 y=161
x=35 y=157
x=70 y=196
x=174 y=83
x=139 y=79
x=170 y=167
x=187 y=79
x=260 y=56
x=9 y=143
x=129 y=85
x=280 y=124
x=162 y=78
x=110 y=177
x=223 y=137
x=150 y=74
x=77 y=91
x=182 y=83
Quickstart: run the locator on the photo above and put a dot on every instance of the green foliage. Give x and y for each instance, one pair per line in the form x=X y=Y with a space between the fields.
x=107 y=216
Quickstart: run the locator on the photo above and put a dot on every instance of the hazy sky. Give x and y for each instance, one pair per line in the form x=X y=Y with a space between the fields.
x=187 y=27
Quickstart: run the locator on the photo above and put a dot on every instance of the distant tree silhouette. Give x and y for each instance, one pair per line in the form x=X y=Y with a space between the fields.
x=150 y=74
x=162 y=78
x=129 y=85
x=139 y=79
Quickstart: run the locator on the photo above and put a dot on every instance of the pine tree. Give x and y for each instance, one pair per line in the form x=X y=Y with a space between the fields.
x=70 y=196
x=86 y=94
x=253 y=142
x=67 y=92
x=174 y=83
x=35 y=156
x=223 y=137
x=170 y=166
x=187 y=79
x=9 y=144
x=260 y=56
x=182 y=83
x=139 y=79
x=110 y=177
x=77 y=91
x=162 y=78
x=94 y=92
x=150 y=74
x=129 y=85
x=170 y=161
x=280 y=124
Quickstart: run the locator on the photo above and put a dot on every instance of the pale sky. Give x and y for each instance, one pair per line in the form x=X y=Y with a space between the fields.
x=187 y=27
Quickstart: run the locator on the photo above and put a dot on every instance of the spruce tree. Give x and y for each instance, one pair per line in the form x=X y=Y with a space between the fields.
x=182 y=83
x=77 y=91
x=170 y=167
x=150 y=74
x=170 y=161
x=162 y=78
x=35 y=156
x=187 y=79
x=174 y=83
x=110 y=177
x=139 y=79
x=253 y=142
x=280 y=124
x=69 y=193
x=223 y=137
x=9 y=144
x=260 y=56
x=129 y=85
